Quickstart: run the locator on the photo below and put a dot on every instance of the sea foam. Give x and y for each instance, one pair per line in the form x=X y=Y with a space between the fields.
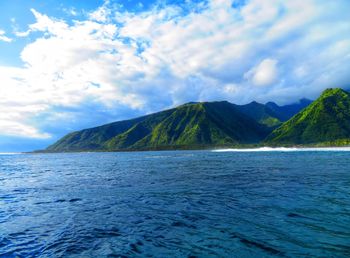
x=283 y=149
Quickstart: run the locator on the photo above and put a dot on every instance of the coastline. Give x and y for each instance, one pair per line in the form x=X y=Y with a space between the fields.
x=224 y=148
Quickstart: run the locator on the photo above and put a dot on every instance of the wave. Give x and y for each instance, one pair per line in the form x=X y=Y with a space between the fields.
x=10 y=153
x=283 y=149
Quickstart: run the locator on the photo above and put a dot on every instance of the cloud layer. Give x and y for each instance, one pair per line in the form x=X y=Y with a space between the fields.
x=117 y=64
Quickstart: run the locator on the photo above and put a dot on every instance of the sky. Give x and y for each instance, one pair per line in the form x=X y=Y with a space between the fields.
x=68 y=65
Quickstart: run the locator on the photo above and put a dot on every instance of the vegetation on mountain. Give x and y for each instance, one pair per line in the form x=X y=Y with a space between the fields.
x=187 y=126
x=283 y=113
x=261 y=113
x=326 y=120
x=94 y=139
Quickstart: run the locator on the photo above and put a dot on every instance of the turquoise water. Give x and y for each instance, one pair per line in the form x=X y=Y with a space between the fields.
x=175 y=204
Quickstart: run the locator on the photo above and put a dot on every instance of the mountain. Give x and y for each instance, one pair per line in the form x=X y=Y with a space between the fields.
x=261 y=113
x=192 y=125
x=326 y=120
x=286 y=112
x=187 y=126
x=95 y=138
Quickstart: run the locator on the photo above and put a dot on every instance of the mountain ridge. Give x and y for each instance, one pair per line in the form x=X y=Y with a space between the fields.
x=186 y=125
x=327 y=119
x=198 y=125
x=190 y=125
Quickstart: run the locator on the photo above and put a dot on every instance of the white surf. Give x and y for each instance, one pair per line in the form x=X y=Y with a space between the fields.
x=284 y=149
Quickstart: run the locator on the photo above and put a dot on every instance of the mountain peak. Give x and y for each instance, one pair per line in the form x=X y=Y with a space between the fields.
x=327 y=119
x=271 y=103
x=191 y=103
x=334 y=91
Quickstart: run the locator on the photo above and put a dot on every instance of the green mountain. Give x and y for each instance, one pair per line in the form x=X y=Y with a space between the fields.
x=286 y=112
x=261 y=113
x=326 y=120
x=95 y=138
x=192 y=125
x=188 y=126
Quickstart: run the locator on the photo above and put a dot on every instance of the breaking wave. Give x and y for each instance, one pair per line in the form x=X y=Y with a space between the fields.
x=283 y=149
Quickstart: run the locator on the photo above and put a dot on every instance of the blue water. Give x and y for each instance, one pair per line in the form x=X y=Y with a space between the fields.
x=175 y=204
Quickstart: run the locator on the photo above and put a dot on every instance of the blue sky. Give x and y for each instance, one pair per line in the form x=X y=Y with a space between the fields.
x=68 y=65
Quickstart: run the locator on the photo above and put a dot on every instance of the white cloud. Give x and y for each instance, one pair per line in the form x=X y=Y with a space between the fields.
x=14 y=128
x=166 y=56
x=102 y=13
x=70 y=11
x=3 y=37
x=264 y=74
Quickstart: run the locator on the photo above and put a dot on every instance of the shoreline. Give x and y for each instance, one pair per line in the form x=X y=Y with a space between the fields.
x=248 y=148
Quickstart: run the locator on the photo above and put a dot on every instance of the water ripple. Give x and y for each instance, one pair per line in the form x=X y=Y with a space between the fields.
x=176 y=204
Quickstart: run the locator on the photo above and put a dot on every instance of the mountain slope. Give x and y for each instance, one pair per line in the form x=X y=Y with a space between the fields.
x=216 y=123
x=192 y=125
x=327 y=119
x=189 y=125
x=95 y=138
x=261 y=113
x=283 y=113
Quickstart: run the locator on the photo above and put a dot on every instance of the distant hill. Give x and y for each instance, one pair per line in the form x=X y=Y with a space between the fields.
x=261 y=113
x=192 y=125
x=326 y=120
x=286 y=112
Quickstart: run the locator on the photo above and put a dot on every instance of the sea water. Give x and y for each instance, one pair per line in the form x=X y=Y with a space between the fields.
x=268 y=203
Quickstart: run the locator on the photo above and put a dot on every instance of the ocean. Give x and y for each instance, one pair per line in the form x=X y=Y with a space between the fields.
x=232 y=203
